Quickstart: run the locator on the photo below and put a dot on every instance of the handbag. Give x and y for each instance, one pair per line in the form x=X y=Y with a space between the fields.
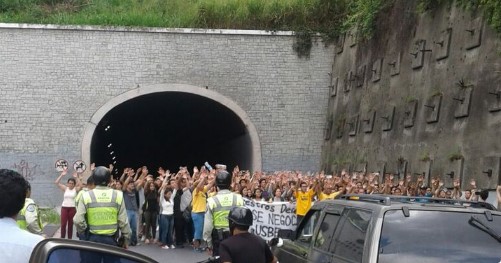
x=187 y=213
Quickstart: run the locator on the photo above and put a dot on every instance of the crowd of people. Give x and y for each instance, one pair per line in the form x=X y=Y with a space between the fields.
x=174 y=203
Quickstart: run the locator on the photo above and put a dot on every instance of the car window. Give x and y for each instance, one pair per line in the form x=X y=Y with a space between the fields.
x=61 y=255
x=306 y=233
x=351 y=234
x=438 y=236
x=326 y=231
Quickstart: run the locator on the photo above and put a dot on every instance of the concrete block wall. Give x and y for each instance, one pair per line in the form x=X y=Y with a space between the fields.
x=54 y=78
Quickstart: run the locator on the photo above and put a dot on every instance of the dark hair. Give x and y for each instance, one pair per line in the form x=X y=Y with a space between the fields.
x=72 y=180
x=242 y=191
x=484 y=194
x=90 y=180
x=262 y=179
x=13 y=189
x=167 y=189
x=223 y=179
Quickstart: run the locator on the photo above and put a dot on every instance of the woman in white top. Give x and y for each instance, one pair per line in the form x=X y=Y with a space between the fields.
x=68 y=208
x=166 y=217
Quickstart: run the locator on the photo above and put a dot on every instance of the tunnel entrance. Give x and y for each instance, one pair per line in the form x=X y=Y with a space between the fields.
x=172 y=128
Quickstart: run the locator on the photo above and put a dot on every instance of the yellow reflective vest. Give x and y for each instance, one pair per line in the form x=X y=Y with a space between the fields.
x=21 y=216
x=102 y=206
x=221 y=205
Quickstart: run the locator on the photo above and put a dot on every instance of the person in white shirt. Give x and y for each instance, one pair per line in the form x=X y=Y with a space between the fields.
x=166 y=222
x=68 y=208
x=16 y=245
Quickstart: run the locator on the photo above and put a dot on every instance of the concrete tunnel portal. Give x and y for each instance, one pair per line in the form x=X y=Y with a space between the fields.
x=170 y=129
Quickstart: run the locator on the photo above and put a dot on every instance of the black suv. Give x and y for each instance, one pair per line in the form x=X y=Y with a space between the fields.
x=387 y=229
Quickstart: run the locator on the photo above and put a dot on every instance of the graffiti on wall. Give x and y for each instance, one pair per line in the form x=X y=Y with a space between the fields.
x=27 y=170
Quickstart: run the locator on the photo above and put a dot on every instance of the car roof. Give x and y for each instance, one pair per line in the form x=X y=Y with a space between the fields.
x=391 y=202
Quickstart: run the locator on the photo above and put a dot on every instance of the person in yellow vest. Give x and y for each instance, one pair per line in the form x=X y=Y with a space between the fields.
x=216 y=224
x=304 y=198
x=29 y=218
x=101 y=211
x=89 y=186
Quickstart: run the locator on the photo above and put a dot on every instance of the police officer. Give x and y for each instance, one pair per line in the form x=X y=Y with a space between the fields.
x=29 y=218
x=216 y=226
x=101 y=211
x=242 y=246
x=89 y=186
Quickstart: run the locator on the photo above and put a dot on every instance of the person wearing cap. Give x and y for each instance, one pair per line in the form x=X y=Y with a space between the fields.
x=102 y=211
x=242 y=246
x=29 y=217
x=216 y=225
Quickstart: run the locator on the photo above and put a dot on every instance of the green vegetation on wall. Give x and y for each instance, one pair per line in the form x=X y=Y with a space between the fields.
x=328 y=17
x=491 y=8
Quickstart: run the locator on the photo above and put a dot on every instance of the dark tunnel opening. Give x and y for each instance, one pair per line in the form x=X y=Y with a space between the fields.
x=170 y=129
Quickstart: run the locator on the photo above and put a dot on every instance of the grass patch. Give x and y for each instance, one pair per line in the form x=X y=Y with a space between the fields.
x=49 y=216
x=329 y=17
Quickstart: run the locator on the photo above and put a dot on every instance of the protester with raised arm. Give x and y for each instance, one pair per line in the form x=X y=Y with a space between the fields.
x=68 y=207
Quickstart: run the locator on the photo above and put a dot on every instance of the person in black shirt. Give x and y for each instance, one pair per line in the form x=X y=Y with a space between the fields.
x=179 y=223
x=242 y=246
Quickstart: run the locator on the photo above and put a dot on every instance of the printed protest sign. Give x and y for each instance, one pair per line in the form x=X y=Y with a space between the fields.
x=270 y=217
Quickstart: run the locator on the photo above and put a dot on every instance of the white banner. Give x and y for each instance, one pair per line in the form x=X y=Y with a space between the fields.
x=270 y=217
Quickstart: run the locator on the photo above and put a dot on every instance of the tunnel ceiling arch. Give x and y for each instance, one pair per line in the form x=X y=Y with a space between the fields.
x=171 y=126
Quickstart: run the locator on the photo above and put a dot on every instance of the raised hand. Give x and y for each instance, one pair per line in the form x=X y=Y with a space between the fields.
x=473 y=183
x=371 y=177
x=420 y=178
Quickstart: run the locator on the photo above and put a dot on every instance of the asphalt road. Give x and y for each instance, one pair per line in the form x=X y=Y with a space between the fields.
x=177 y=255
